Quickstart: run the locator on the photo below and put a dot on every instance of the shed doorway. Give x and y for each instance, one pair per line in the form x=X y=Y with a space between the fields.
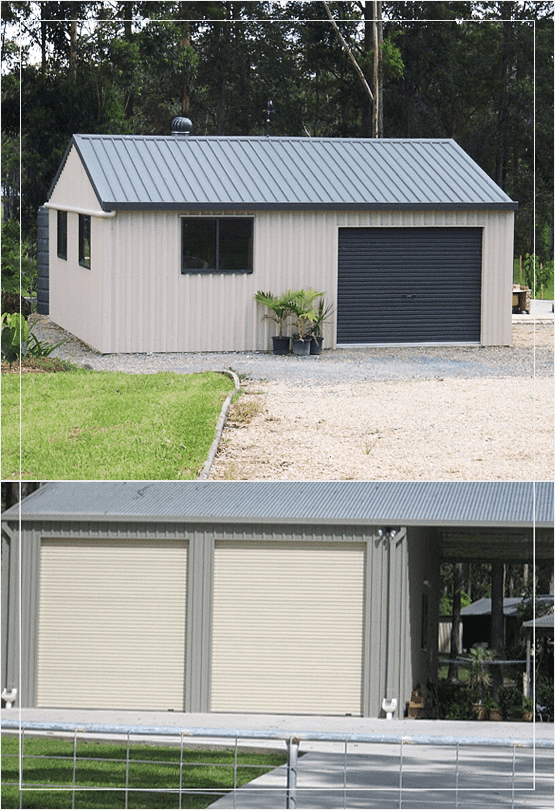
x=287 y=631
x=409 y=285
x=111 y=629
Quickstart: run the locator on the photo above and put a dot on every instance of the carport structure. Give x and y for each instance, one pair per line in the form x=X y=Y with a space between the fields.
x=270 y=597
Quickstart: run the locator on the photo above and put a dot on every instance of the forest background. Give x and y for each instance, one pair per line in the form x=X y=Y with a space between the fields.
x=478 y=72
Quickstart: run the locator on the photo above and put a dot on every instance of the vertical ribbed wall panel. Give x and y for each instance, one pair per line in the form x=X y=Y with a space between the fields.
x=75 y=292
x=153 y=307
x=497 y=278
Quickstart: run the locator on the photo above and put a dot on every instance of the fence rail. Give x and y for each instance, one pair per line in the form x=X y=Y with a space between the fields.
x=351 y=764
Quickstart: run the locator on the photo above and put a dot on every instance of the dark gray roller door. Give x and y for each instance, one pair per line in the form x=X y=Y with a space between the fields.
x=409 y=285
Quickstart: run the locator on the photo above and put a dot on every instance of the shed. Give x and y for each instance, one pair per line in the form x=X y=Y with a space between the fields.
x=286 y=597
x=159 y=243
x=476 y=619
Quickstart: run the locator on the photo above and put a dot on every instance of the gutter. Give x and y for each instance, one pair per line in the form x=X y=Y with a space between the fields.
x=72 y=209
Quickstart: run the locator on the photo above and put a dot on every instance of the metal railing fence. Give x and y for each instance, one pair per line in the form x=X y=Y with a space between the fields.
x=353 y=757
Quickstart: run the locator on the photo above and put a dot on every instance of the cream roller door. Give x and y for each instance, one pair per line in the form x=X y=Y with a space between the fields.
x=287 y=627
x=112 y=624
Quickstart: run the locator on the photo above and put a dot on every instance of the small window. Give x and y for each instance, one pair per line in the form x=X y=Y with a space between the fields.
x=62 y=234
x=221 y=245
x=84 y=241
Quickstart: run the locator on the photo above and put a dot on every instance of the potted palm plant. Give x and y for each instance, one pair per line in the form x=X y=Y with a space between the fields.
x=280 y=310
x=302 y=305
x=480 y=680
x=322 y=312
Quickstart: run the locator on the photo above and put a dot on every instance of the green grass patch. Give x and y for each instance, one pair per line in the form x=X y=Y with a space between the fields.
x=151 y=768
x=109 y=425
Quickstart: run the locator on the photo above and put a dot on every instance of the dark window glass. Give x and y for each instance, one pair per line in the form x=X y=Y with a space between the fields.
x=84 y=240
x=62 y=234
x=216 y=245
x=235 y=244
x=199 y=244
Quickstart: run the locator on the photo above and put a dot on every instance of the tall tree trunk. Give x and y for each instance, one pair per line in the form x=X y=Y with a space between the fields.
x=73 y=42
x=128 y=35
x=368 y=104
x=377 y=73
x=185 y=43
x=43 y=18
x=453 y=672
x=506 y=11
x=497 y=620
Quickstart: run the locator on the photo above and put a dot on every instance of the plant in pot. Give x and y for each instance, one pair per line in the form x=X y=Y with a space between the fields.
x=527 y=710
x=280 y=310
x=494 y=709
x=480 y=680
x=302 y=305
x=322 y=313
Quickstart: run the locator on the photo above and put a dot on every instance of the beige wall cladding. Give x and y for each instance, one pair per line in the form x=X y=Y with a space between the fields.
x=112 y=624
x=148 y=305
x=73 y=188
x=288 y=627
x=75 y=291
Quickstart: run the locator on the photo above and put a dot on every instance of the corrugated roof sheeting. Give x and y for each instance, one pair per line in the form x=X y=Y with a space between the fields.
x=404 y=503
x=151 y=171
x=482 y=607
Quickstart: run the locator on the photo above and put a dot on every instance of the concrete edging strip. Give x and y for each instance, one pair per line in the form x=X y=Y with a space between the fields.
x=220 y=426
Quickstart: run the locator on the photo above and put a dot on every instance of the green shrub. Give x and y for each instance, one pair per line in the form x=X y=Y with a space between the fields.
x=544 y=694
x=454 y=701
x=18 y=339
x=16 y=260
x=536 y=273
x=511 y=700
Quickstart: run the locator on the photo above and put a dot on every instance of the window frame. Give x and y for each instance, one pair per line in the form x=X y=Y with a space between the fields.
x=61 y=235
x=185 y=271
x=83 y=261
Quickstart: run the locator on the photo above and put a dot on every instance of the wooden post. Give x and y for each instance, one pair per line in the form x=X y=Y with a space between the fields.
x=497 y=621
x=453 y=671
x=520 y=257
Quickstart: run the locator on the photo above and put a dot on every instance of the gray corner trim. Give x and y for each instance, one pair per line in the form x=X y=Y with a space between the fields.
x=198 y=641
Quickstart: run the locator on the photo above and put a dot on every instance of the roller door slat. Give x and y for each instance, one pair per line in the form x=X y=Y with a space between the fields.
x=112 y=624
x=409 y=285
x=287 y=627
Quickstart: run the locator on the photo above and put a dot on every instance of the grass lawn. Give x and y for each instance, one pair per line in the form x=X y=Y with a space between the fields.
x=109 y=425
x=151 y=768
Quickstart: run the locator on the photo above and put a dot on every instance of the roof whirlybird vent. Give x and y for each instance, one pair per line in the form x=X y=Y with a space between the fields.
x=181 y=126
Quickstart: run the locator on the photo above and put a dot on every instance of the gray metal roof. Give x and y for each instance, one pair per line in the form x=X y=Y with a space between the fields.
x=256 y=173
x=543 y=623
x=482 y=607
x=446 y=504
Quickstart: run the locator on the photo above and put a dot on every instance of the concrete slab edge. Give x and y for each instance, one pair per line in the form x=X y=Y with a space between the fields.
x=221 y=422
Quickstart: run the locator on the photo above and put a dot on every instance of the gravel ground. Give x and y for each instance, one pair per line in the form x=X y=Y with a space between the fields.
x=439 y=413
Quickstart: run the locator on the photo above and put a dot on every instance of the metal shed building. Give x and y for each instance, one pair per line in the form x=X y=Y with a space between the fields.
x=159 y=243
x=243 y=596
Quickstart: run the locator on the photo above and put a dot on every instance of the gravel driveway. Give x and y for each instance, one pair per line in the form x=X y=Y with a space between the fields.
x=439 y=413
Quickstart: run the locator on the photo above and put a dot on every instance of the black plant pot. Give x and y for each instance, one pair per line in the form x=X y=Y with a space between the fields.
x=301 y=347
x=281 y=344
x=316 y=345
